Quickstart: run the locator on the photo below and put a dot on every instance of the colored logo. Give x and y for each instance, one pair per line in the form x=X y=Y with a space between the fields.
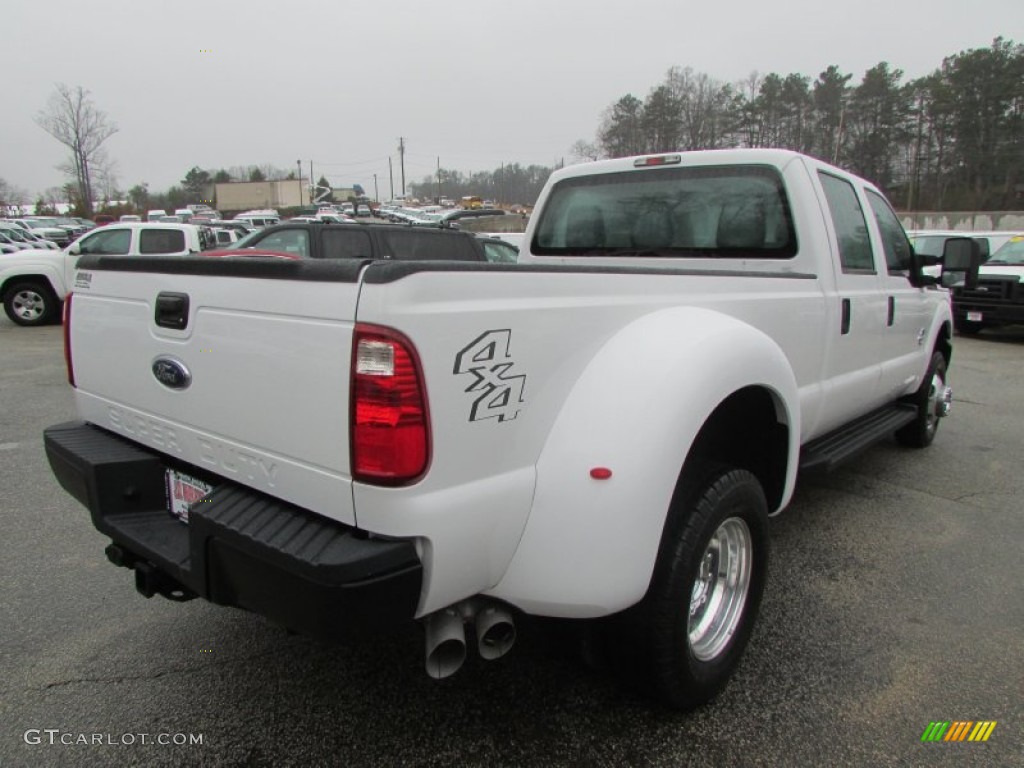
x=171 y=373
x=958 y=730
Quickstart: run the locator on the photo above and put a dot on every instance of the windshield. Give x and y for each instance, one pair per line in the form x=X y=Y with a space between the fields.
x=1011 y=252
x=726 y=211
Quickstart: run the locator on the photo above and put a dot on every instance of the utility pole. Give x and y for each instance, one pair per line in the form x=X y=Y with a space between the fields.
x=391 y=173
x=312 y=183
x=401 y=157
x=298 y=164
x=376 y=194
x=438 y=180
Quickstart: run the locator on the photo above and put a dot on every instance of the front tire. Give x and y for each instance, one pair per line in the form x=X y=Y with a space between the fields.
x=686 y=638
x=932 y=400
x=30 y=303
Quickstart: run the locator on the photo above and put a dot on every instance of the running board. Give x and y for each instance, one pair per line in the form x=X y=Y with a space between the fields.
x=828 y=451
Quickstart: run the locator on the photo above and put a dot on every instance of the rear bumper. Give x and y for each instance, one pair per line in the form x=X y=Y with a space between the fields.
x=240 y=548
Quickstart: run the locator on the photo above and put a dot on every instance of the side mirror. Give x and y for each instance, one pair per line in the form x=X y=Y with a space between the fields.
x=917 y=275
x=961 y=257
x=75 y=249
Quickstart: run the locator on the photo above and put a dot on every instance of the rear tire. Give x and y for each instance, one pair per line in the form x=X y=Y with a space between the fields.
x=931 y=405
x=30 y=303
x=684 y=640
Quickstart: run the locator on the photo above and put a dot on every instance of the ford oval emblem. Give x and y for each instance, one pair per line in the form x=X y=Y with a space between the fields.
x=171 y=373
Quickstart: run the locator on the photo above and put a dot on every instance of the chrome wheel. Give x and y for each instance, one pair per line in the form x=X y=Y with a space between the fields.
x=720 y=589
x=29 y=305
x=940 y=400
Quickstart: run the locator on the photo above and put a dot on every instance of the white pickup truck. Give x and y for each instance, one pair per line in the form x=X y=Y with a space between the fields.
x=34 y=283
x=600 y=431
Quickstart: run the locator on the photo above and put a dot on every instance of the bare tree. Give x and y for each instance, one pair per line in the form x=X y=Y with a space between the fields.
x=584 y=151
x=73 y=120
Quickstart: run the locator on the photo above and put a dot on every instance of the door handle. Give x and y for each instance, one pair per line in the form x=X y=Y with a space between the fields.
x=892 y=311
x=844 y=327
x=171 y=310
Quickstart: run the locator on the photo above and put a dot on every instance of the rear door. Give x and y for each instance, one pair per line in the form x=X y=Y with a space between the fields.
x=853 y=367
x=265 y=348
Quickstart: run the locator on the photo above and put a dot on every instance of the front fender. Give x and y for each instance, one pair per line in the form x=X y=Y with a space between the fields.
x=589 y=545
x=48 y=264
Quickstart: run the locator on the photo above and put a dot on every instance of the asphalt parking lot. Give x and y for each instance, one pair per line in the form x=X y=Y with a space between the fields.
x=894 y=599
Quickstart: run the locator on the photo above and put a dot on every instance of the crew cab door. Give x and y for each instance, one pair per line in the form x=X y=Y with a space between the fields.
x=905 y=335
x=859 y=309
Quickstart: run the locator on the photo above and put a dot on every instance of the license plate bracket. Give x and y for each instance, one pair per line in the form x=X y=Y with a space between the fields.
x=975 y=317
x=183 y=491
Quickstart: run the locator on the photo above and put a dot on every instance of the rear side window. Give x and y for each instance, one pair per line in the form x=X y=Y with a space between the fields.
x=720 y=211
x=894 y=239
x=429 y=245
x=346 y=244
x=855 y=252
x=153 y=241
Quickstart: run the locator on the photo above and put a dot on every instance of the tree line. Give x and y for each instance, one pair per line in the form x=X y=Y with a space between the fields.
x=951 y=140
x=509 y=184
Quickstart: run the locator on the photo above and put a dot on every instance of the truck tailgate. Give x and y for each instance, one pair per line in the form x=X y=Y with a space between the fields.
x=238 y=368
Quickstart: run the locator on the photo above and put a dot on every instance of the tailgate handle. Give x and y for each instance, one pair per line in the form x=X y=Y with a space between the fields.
x=172 y=310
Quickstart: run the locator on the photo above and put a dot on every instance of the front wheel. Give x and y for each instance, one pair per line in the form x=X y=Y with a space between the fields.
x=30 y=303
x=933 y=400
x=690 y=630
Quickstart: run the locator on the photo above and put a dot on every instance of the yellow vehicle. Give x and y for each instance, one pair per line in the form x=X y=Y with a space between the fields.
x=471 y=202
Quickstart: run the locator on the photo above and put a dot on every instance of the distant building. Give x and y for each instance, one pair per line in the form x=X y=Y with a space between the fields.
x=236 y=196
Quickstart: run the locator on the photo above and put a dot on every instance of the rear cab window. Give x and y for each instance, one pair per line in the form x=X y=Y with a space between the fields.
x=345 y=243
x=429 y=245
x=733 y=211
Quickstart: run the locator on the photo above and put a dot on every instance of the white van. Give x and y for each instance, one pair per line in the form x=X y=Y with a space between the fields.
x=155 y=214
x=259 y=219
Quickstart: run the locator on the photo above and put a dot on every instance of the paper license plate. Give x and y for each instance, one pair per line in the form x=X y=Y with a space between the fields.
x=974 y=317
x=182 y=492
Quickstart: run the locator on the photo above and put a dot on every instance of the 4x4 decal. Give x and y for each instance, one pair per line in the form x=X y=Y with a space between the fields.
x=488 y=359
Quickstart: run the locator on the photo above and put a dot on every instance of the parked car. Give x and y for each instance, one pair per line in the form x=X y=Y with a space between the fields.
x=102 y=219
x=341 y=241
x=34 y=283
x=130 y=217
x=997 y=297
x=50 y=231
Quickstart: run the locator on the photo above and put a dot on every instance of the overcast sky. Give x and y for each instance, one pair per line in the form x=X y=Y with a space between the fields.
x=220 y=83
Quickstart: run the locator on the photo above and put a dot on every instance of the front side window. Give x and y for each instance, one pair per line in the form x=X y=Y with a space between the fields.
x=294 y=241
x=109 y=242
x=156 y=241
x=855 y=252
x=719 y=211
x=894 y=239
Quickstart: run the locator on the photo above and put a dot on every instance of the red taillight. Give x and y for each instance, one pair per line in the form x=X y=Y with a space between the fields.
x=390 y=427
x=66 y=319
